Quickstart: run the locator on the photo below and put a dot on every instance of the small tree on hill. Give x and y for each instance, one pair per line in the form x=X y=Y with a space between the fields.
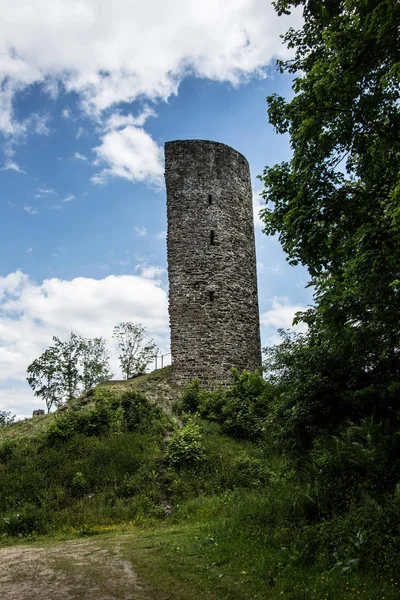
x=134 y=355
x=67 y=368
x=45 y=378
x=6 y=418
x=95 y=363
x=69 y=354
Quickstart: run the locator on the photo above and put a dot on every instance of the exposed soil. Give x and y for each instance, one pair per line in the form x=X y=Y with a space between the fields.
x=71 y=570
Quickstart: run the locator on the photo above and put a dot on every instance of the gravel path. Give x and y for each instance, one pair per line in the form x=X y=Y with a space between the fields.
x=83 y=569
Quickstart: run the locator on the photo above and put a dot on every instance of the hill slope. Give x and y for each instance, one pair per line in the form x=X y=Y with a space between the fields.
x=198 y=506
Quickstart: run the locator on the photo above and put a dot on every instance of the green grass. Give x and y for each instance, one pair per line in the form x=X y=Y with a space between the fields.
x=155 y=385
x=206 y=557
x=25 y=429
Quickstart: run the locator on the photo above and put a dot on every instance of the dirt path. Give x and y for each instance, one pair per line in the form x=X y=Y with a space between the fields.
x=83 y=569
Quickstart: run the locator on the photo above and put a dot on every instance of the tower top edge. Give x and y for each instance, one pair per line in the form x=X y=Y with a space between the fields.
x=198 y=143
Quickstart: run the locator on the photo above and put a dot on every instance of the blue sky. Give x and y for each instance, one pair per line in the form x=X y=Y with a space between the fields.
x=86 y=106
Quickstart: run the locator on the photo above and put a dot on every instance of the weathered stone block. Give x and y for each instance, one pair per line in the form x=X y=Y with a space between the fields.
x=38 y=412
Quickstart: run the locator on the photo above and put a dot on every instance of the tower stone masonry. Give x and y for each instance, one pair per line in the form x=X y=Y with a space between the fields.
x=213 y=301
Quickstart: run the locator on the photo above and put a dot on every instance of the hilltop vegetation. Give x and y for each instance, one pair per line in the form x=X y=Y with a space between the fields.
x=215 y=488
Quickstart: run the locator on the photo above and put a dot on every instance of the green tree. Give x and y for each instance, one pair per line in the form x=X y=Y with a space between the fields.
x=6 y=418
x=69 y=367
x=135 y=353
x=95 y=363
x=45 y=378
x=335 y=204
x=69 y=355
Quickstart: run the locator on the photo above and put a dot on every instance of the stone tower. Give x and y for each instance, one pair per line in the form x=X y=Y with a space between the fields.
x=213 y=302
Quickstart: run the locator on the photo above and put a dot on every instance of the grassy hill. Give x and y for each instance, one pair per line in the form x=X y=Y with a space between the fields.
x=198 y=498
x=156 y=386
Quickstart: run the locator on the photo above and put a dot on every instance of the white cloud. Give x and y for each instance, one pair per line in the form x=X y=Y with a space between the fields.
x=119 y=121
x=79 y=133
x=98 y=179
x=130 y=153
x=110 y=53
x=37 y=123
x=140 y=231
x=11 y=165
x=151 y=272
x=12 y=284
x=31 y=210
x=31 y=313
x=69 y=198
x=79 y=156
x=162 y=235
x=66 y=113
x=29 y=250
x=280 y=316
x=45 y=192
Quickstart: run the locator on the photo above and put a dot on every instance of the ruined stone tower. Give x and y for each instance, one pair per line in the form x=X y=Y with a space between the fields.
x=213 y=302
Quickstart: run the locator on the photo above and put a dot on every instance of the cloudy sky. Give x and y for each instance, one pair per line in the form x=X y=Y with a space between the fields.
x=90 y=91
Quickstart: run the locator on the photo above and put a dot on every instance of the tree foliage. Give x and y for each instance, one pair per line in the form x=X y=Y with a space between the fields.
x=69 y=367
x=6 y=418
x=335 y=204
x=67 y=356
x=135 y=353
x=45 y=378
x=95 y=363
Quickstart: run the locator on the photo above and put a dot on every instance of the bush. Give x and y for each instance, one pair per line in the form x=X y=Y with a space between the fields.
x=30 y=520
x=185 y=447
x=191 y=397
x=242 y=409
x=94 y=422
x=6 y=451
x=127 y=413
x=360 y=459
x=79 y=485
x=139 y=414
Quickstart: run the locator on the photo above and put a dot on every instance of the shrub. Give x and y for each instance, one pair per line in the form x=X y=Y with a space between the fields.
x=139 y=414
x=79 y=485
x=126 y=413
x=6 y=451
x=185 y=447
x=94 y=422
x=191 y=397
x=242 y=409
x=360 y=459
x=30 y=520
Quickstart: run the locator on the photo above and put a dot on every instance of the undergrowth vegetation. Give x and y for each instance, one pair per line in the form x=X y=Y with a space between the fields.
x=92 y=466
x=323 y=524
x=322 y=498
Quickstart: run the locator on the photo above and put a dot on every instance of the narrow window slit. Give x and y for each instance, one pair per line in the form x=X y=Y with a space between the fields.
x=212 y=238
x=211 y=296
x=209 y=199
